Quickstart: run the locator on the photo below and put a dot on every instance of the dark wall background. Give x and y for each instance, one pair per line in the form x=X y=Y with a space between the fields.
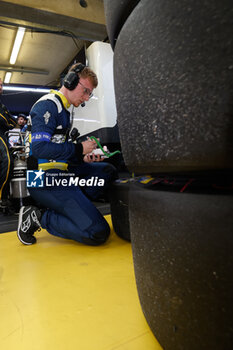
x=20 y=101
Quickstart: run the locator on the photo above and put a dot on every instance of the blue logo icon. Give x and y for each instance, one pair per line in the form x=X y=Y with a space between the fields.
x=35 y=178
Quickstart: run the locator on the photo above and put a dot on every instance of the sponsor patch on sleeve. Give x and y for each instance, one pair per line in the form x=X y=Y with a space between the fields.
x=41 y=136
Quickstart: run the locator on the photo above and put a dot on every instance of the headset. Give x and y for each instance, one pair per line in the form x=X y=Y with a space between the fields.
x=71 y=79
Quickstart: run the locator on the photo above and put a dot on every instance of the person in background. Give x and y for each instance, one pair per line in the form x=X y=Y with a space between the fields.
x=68 y=211
x=15 y=138
x=22 y=121
x=7 y=122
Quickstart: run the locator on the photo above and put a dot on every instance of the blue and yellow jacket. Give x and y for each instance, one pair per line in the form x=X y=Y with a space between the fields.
x=7 y=122
x=50 y=126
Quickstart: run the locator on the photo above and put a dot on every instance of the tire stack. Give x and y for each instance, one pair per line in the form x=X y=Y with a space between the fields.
x=119 y=205
x=173 y=73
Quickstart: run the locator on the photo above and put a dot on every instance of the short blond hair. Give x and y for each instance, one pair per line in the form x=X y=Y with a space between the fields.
x=86 y=73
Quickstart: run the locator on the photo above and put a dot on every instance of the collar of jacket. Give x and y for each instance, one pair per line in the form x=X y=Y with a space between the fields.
x=64 y=100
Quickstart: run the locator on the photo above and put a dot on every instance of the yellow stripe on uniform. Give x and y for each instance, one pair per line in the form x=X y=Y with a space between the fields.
x=8 y=168
x=65 y=102
x=53 y=165
x=9 y=123
x=5 y=120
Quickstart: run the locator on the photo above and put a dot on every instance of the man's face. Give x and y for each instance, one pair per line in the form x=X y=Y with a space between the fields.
x=1 y=86
x=81 y=93
x=21 y=121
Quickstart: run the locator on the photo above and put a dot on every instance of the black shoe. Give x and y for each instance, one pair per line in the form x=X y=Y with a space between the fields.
x=29 y=223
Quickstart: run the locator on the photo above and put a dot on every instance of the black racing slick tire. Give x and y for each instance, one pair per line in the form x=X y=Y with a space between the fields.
x=119 y=204
x=173 y=78
x=116 y=13
x=182 y=250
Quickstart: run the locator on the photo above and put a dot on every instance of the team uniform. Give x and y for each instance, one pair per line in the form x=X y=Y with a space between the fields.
x=69 y=212
x=7 y=122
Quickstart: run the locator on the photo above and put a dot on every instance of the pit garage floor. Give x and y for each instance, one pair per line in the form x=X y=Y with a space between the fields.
x=62 y=295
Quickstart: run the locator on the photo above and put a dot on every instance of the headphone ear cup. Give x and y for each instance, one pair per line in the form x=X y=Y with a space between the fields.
x=71 y=80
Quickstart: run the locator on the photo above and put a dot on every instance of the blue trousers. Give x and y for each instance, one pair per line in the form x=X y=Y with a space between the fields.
x=70 y=212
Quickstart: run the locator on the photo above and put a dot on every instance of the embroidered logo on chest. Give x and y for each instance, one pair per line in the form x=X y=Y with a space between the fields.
x=46 y=116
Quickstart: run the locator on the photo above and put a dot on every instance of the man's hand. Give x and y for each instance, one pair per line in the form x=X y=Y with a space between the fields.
x=90 y=158
x=89 y=146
